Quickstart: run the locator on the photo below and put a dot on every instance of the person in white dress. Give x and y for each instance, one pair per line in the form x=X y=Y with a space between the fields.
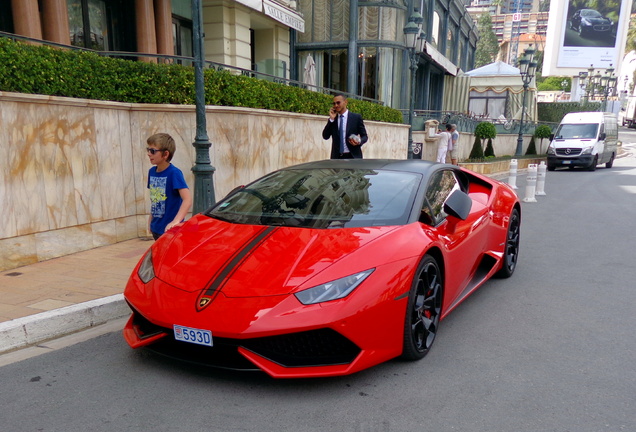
x=444 y=139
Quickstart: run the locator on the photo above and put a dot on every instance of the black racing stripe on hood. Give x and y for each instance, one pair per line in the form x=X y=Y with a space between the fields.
x=215 y=287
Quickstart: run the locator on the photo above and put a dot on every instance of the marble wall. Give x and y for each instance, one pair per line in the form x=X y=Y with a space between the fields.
x=73 y=176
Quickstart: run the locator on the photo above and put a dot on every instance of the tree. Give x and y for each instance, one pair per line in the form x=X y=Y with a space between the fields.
x=555 y=83
x=477 y=152
x=490 y=151
x=541 y=132
x=487 y=45
x=532 y=148
x=485 y=130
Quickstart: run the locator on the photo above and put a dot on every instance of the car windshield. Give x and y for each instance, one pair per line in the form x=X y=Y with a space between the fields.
x=590 y=14
x=577 y=131
x=322 y=198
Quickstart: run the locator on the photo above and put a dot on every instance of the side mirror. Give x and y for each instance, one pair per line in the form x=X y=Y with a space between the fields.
x=551 y=137
x=602 y=136
x=458 y=204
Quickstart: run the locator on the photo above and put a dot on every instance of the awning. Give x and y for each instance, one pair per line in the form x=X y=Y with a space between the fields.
x=254 y=4
x=438 y=58
x=283 y=15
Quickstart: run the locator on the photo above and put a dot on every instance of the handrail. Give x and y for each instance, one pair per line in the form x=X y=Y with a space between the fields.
x=209 y=64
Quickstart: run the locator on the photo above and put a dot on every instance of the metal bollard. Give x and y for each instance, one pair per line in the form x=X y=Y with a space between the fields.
x=531 y=183
x=512 y=177
x=541 y=179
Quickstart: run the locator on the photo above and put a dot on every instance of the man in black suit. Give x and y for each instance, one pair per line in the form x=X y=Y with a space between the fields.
x=346 y=130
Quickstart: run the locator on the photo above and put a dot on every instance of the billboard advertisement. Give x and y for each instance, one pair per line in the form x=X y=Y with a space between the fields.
x=585 y=32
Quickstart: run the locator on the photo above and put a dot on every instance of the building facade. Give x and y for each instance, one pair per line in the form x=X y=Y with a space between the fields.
x=353 y=46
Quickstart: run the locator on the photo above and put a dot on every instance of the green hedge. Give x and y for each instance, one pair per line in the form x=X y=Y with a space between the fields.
x=554 y=112
x=37 y=69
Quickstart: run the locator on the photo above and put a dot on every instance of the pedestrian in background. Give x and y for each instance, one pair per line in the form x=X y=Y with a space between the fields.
x=346 y=130
x=443 y=142
x=454 y=144
x=170 y=198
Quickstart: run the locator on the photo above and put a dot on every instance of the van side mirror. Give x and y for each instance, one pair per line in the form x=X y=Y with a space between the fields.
x=602 y=136
x=551 y=137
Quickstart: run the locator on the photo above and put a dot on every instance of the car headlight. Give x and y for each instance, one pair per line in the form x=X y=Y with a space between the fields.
x=332 y=290
x=146 y=270
x=551 y=149
x=587 y=150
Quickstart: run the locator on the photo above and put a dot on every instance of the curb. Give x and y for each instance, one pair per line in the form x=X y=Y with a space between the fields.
x=33 y=329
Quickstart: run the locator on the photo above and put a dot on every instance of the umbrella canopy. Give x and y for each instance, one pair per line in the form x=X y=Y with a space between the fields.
x=309 y=76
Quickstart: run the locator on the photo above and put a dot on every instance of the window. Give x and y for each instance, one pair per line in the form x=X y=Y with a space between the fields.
x=182 y=38
x=489 y=103
x=441 y=185
x=182 y=28
x=88 y=24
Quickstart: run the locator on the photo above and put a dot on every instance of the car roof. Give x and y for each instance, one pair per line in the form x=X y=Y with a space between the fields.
x=405 y=165
x=417 y=166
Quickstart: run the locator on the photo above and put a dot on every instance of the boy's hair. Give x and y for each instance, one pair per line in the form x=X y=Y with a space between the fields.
x=449 y=127
x=163 y=141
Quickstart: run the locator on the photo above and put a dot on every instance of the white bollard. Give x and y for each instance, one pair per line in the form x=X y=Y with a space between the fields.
x=512 y=177
x=541 y=179
x=531 y=183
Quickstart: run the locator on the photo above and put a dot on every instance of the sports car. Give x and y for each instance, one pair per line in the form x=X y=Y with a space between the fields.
x=590 y=22
x=324 y=268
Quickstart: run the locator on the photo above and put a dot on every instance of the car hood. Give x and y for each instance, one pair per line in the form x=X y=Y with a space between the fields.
x=596 y=20
x=254 y=260
x=574 y=143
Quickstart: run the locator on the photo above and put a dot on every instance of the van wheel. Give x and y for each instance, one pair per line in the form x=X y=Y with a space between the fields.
x=592 y=166
x=611 y=162
x=551 y=167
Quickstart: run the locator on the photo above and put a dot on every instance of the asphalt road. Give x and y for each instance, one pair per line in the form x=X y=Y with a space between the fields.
x=551 y=349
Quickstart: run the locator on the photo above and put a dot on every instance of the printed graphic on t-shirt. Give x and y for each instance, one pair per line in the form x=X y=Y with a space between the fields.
x=158 y=196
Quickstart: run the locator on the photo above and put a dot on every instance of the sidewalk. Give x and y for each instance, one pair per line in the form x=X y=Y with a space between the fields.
x=65 y=295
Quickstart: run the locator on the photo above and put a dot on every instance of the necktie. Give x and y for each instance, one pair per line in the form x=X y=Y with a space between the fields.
x=342 y=134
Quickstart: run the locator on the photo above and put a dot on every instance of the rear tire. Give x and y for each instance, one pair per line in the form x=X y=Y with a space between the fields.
x=424 y=310
x=511 y=253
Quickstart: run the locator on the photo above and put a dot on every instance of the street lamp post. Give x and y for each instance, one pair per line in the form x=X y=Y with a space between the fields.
x=608 y=84
x=527 y=67
x=411 y=32
x=203 y=170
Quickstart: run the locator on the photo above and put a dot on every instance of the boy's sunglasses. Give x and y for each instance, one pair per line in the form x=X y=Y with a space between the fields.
x=153 y=151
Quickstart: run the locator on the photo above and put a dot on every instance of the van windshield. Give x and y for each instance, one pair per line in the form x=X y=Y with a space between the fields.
x=577 y=131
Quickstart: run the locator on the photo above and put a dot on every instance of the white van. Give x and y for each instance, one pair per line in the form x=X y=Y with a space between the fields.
x=584 y=139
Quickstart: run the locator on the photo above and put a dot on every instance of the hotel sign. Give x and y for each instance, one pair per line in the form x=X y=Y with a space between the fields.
x=283 y=15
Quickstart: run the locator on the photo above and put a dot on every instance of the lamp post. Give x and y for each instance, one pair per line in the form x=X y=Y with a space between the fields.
x=608 y=85
x=203 y=170
x=527 y=68
x=583 y=86
x=411 y=32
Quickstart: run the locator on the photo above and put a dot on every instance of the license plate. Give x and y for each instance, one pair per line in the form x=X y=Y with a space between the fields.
x=567 y=162
x=193 y=335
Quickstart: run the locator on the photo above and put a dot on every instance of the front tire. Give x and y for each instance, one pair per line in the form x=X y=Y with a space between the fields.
x=423 y=311
x=592 y=167
x=610 y=163
x=511 y=253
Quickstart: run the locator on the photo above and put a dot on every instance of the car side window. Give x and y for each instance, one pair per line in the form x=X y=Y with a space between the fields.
x=439 y=188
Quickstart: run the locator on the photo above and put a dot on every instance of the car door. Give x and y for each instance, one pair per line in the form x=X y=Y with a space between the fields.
x=463 y=241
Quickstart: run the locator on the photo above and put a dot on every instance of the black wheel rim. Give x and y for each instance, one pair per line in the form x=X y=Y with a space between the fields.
x=426 y=307
x=512 y=243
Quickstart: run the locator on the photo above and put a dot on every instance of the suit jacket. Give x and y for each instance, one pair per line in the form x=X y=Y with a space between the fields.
x=355 y=125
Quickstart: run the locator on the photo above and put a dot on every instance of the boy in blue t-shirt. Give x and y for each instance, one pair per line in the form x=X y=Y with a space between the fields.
x=170 y=198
